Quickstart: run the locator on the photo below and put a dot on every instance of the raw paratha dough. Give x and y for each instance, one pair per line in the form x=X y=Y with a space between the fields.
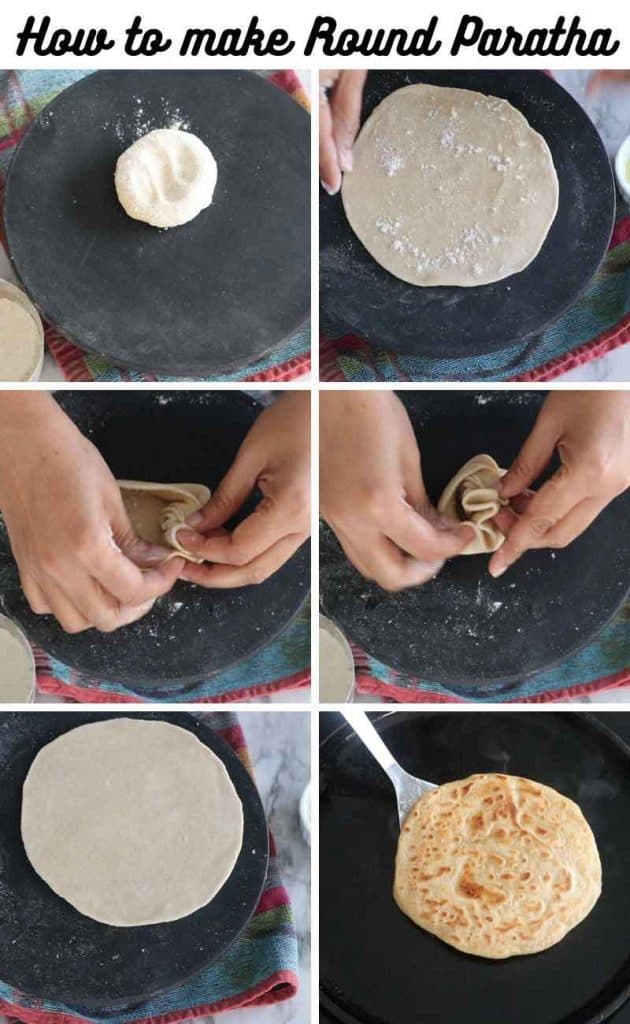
x=17 y=665
x=497 y=865
x=472 y=497
x=158 y=511
x=133 y=822
x=450 y=187
x=166 y=178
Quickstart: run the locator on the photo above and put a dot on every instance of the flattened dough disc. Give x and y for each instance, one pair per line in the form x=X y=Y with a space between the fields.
x=132 y=822
x=52 y=951
x=450 y=187
x=356 y=294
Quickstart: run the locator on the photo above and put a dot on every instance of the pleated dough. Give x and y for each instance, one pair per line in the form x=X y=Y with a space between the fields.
x=158 y=511
x=472 y=497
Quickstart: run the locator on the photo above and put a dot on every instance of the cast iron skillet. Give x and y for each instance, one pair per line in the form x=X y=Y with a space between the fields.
x=192 y=633
x=51 y=951
x=194 y=300
x=376 y=967
x=445 y=322
x=465 y=629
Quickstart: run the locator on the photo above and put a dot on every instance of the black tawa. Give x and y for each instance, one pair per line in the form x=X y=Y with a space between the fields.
x=191 y=633
x=444 y=322
x=210 y=295
x=376 y=966
x=51 y=951
x=465 y=628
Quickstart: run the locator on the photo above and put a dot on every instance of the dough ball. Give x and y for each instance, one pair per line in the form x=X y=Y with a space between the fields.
x=450 y=187
x=166 y=178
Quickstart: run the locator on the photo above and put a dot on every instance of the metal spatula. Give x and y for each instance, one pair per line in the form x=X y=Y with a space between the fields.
x=408 y=788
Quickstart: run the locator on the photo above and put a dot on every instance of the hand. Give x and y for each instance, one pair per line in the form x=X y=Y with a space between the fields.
x=76 y=552
x=372 y=494
x=339 y=117
x=591 y=432
x=275 y=457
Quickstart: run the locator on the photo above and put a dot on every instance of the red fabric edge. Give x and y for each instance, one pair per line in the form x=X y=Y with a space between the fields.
x=371 y=685
x=278 y=987
x=84 y=695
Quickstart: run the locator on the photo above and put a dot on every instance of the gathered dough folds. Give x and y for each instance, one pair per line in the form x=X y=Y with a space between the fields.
x=472 y=497
x=450 y=187
x=166 y=178
x=158 y=511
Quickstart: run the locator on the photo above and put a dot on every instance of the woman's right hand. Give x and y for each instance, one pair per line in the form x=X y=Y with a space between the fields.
x=76 y=551
x=372 y=494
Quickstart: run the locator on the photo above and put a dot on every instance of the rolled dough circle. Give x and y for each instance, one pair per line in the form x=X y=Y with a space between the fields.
x=133 y=822
x=166 y=178
x=450 y=187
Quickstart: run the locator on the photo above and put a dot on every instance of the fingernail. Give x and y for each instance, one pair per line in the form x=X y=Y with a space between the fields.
x=196 y=519
x=497 y=570
x=328 y=188
x=187 y=538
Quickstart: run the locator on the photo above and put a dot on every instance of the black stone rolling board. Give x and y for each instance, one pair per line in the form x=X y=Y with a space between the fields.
x=446 y=322
x=194 y=300
x=50 y=951
x=376 y=966
x=191 y=633
x=465 y=629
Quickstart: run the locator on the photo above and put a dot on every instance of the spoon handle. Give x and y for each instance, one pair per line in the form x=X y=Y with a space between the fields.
x=368 y=734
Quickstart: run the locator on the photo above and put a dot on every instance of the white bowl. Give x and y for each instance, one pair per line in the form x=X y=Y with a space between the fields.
x=622 y=168
x=28 y=696
x=10 y=291
x=336 y=666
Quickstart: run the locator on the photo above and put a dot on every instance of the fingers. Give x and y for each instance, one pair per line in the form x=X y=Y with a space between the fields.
x=382 y=561
x=256 y=571
x=35 y=595
x=269 y=523
x=329 y=169
x=233 y=491
x=540 y=517
x=65 y=610
x=533 y=457
x=128 y=584
x=345 y=104
x=423 y=540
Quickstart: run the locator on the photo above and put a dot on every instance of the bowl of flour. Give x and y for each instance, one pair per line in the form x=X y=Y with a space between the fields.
x=17 y=665
x=21 y=336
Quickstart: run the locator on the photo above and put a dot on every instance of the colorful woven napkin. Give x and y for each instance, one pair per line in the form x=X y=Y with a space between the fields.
x=22 y=95
x=601 y=665
x=285 y=664
x=258 y=969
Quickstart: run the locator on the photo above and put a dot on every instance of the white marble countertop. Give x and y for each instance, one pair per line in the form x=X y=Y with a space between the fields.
x=279 y=744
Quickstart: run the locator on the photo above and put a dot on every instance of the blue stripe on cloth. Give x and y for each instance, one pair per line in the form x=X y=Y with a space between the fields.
x=606 y=655
x=288 y=655
x=267 y=946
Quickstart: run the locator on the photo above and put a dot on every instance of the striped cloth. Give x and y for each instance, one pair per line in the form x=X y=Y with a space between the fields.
x=260 y=968
x=23 y=94
x=285 y=664
x=601 y=665
x=597 y=324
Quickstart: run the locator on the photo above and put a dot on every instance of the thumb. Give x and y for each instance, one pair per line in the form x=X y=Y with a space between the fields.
x=346 y=113
x=141 y=552
x=233 y=491
x=532 y=458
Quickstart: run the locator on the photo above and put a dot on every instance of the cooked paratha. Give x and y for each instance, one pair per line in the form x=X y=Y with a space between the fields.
x=497 y=865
